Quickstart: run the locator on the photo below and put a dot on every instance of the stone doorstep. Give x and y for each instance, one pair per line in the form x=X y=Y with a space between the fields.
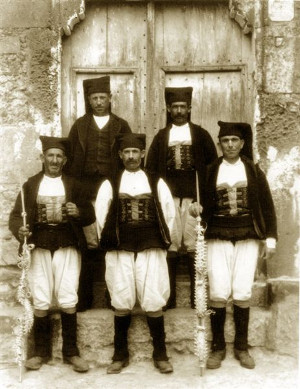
x=259 y=298
x=95 y=333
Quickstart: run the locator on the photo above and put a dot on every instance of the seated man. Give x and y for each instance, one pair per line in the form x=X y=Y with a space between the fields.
x=56 y=213
x=135 y=213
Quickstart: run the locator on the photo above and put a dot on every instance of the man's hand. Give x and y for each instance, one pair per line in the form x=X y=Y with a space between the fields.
x=195 y=209
x=72 y=210
x=24 y=232
x=268 y=252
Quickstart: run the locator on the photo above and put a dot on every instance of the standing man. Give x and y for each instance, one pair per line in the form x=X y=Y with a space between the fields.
x=93 y=156
x=239 y=212
x=177 y=152
x=56 y=212
x=135 y=212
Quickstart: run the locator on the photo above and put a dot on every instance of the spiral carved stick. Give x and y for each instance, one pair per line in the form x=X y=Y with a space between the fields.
x=25 y=322
x=201 y=281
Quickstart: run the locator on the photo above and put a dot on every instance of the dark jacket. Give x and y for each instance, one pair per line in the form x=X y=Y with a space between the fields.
x=74 y=193
x=204 y=151
x=259 y=198
x=78 y=141
x=109 y=236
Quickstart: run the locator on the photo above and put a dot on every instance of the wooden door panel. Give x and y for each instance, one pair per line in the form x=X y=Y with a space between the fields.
x=198 y=35
x=126 y=31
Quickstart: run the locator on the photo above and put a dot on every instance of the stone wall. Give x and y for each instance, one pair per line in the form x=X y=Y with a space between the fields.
x=277 y=31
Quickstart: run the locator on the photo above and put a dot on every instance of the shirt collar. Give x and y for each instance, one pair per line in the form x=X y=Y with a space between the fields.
x=237 y=163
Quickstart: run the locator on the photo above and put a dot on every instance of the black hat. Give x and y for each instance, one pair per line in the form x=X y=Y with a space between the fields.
x=96 y=85
x=242 y=130
x=132 y=140
x=173 y=95
x=51 y=142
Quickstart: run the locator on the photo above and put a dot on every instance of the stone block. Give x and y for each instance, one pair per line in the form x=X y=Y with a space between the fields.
x=9 y=45
x=283 y=330
x=24 y=13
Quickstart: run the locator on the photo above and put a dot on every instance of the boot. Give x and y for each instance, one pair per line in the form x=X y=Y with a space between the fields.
x=172 y=264
x=157 y=332
x=121 y=354
x=241 y=321
x=218 y=346
x=192 y=273
x=69 y=349
x=42 y=344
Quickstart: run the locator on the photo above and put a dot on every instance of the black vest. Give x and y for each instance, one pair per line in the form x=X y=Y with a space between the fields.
x=116 y=235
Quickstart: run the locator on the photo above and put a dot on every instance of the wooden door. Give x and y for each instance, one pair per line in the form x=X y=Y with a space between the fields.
x=147 y=45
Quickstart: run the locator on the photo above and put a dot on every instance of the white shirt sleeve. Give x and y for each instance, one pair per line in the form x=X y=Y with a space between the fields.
x=167 y=203
x=102 y=204
x=271 y=243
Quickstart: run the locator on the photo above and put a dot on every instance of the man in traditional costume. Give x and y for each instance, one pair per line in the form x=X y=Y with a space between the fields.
x=135 y=212
x=94 y=156
x=240 y=217
x=56 y=212
x=177 y=152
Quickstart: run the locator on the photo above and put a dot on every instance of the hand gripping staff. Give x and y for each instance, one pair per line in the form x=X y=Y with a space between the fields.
x=201 y=281
x=25 y=322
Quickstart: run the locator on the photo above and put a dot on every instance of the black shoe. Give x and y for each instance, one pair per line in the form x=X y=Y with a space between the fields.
x=215 y=358
x=245 y=358
x=164 y=367
x=35 y=363
x=79 y=364
x=116 y=366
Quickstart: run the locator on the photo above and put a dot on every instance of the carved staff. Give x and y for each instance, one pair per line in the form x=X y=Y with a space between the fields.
x=201 y=280
x=25 y=322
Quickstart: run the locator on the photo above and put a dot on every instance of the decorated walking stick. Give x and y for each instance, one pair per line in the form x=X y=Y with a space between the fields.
x=200 y=290
x=25 y=322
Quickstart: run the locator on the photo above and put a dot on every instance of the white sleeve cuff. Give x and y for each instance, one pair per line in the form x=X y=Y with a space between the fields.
x=271 y=243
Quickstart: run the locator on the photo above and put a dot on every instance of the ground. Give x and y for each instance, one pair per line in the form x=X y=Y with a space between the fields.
x=271 y=371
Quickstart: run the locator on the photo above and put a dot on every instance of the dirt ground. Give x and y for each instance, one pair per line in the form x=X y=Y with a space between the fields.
x=271 y=371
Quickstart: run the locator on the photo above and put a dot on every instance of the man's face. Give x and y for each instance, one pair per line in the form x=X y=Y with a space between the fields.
x=100 y=103
x=179 y=112
x=54 y=160
x=132 y=158
x=231 y=145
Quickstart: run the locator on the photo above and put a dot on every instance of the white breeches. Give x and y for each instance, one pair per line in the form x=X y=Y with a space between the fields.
x=144 y=277
x=231 y=269
x=56 y=276
x=183 y=234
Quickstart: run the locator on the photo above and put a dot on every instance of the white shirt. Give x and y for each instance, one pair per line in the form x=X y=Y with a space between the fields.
x=50 y=186
x=231 y=174
x=101 y=120
x=133 y=183
x=180 y=135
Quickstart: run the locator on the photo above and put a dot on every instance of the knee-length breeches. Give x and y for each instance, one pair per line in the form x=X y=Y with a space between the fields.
x=231 y=269
x=142 y=275
x=54 y=276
